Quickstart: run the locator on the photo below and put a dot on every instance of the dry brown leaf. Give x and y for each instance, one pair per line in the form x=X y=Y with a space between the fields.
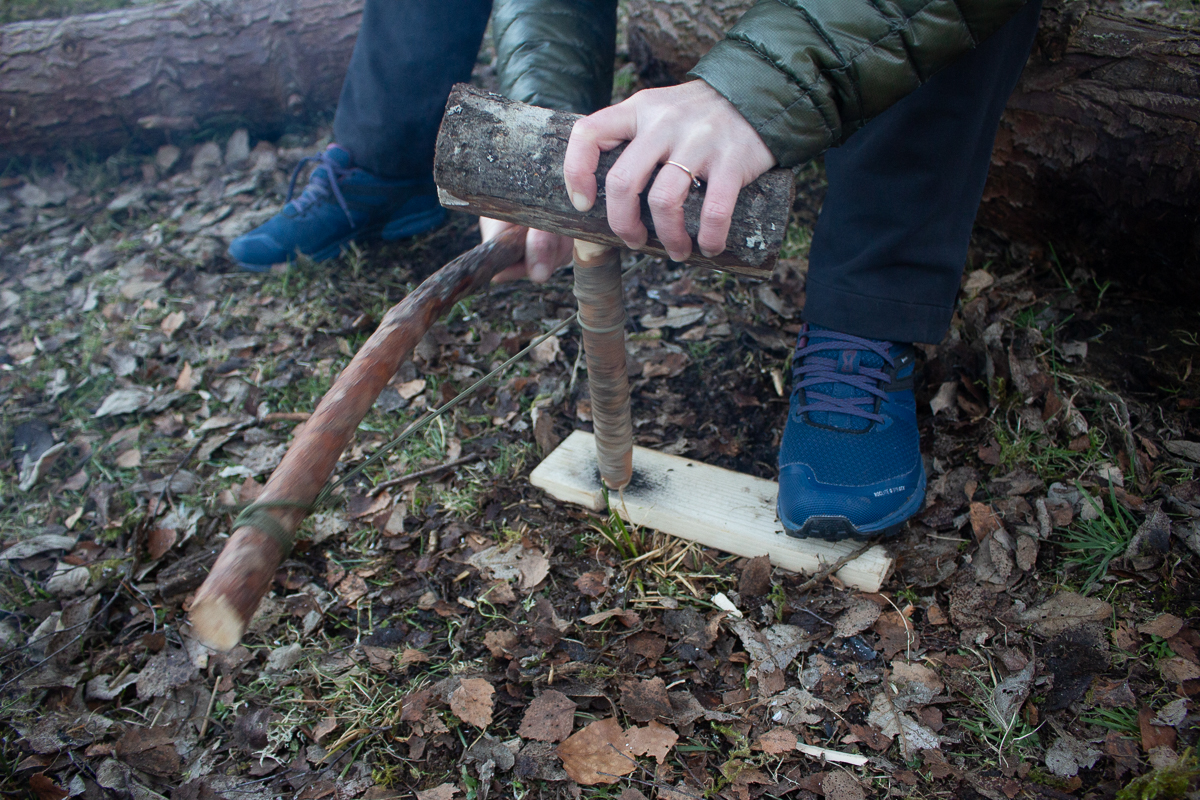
x=628 y=617
x=646 y=700
x=858 y=616
x=172 y=322
x=755 y=580
x=130 y=459
x=352 y=588
x=597 y=754
x=444 y=792
x=549 y=718
x=534 y=568
x=411 y=389
x=324 y=728
x=1164 y=625
x=500 y=642
x=654 y=740
x=1064 y=611
x=592 y=584
x=777 y=742
x=45 y=788
x=838 y=785
x=185 y=382
x=472 y=702
x=1178 y=670
x=412 y=656
x=872 y=737
x=984 y=521
x=159 y=541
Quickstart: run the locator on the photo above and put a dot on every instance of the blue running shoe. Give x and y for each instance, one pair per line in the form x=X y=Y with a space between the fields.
x=342 y=203
x=850 y=461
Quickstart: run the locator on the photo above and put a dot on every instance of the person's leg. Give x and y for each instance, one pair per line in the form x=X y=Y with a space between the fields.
x=890 y=243
x=377 y=181
x=408 y=55
x=884 y=268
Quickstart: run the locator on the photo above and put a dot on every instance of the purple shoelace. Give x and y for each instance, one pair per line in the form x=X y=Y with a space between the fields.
x=810 y=371
x=321 y=184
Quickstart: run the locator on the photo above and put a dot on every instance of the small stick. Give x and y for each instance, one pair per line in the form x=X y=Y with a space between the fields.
x=422 y=473
x=212 y=699
x=841 y=562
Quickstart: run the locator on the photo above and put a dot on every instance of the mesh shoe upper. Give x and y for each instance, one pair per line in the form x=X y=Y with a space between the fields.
x=851 y=447
x=341 y=202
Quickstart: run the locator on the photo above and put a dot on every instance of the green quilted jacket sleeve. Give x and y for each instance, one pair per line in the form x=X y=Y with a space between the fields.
x=808 y=73
x=556 y=53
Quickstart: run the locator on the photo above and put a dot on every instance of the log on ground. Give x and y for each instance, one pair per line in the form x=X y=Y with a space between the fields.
x=106 y=80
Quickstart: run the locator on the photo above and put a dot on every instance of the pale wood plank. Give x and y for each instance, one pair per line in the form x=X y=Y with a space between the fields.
x=709 y=505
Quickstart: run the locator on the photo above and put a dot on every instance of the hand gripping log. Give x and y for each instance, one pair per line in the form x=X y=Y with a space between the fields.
x=503 y=159
x=243 y=572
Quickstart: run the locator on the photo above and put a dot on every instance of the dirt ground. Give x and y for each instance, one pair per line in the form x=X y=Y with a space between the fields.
x=460 y=634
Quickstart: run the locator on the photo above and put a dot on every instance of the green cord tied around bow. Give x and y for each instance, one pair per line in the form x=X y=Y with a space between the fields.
x=257 y=516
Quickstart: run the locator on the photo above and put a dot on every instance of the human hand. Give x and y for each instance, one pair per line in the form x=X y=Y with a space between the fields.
x=544 y=252
x=691 y=124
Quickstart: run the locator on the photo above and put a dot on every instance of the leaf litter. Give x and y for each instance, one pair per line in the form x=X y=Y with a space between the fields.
x=461 y=628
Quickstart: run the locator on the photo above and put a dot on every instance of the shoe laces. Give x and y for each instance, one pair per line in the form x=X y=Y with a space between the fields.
x=322 y=183
x=819 y=375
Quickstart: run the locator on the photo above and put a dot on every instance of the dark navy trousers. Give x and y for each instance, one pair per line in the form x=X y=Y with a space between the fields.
x=891 y=241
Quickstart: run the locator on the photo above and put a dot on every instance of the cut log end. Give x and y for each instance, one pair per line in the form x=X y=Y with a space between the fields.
x=216 y=623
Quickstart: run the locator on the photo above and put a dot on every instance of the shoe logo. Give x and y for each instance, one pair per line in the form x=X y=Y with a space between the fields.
x=886 y=492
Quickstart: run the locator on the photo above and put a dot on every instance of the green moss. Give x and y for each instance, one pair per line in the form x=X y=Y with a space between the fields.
x=1169 y=781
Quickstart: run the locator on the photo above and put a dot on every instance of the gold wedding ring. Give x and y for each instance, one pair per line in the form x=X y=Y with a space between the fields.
x=695 y=180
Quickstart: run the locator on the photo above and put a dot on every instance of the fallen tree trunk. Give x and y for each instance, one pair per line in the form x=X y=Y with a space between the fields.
x=1099 y=149
x=105 y=80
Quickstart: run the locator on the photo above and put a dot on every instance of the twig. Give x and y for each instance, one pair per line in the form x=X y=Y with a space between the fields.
x=212 y=698
x=841 y=562
x=423 y=473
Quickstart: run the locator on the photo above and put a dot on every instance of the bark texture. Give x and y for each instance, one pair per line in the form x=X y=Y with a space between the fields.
x=102 y=80
x=243 y=572
x=1099 y=149
x=502 y=159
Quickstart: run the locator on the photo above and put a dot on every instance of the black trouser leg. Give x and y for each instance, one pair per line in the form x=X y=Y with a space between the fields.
x=408 y=55
x=891 y=241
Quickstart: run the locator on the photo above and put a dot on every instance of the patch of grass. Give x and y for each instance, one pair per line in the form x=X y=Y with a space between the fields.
x=1093 y=544
x=627 y=540
x=796 y=240
x=1121 y=720
x=1042 y=454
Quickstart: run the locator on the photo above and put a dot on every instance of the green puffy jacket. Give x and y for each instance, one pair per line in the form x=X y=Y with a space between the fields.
x=805 y=73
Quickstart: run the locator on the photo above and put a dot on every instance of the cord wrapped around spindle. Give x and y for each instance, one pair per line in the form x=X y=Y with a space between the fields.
x=601 y=299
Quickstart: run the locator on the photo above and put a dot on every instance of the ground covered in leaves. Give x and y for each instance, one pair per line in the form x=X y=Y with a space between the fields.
x=444 y=630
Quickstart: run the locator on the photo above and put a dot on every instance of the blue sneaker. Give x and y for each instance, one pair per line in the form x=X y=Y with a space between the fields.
x=850 y=460
x=342 y=203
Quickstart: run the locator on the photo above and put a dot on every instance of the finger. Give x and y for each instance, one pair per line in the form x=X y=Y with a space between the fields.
x=591 y=136
x=720 y=197
x=623 y=187
x=491 y=228
x=666 y=198
x=513 y=273
x=544 y=254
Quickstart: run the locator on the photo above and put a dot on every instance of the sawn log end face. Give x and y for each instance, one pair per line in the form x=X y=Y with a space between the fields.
x=503 y=159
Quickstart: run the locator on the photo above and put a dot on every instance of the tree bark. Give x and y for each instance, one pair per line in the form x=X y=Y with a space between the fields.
x=503 y=159
x=100 y=80
x=1098 y=151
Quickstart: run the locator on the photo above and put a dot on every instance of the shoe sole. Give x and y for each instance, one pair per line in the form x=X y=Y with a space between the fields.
x=396 y=229
x=840 y=529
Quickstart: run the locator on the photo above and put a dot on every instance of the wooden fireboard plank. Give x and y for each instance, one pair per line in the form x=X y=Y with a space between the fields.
x=701 y=503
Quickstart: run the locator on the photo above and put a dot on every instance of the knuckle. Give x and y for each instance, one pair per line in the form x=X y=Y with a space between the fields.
x=663 y=200
x=716 y=212
x=619 y=181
